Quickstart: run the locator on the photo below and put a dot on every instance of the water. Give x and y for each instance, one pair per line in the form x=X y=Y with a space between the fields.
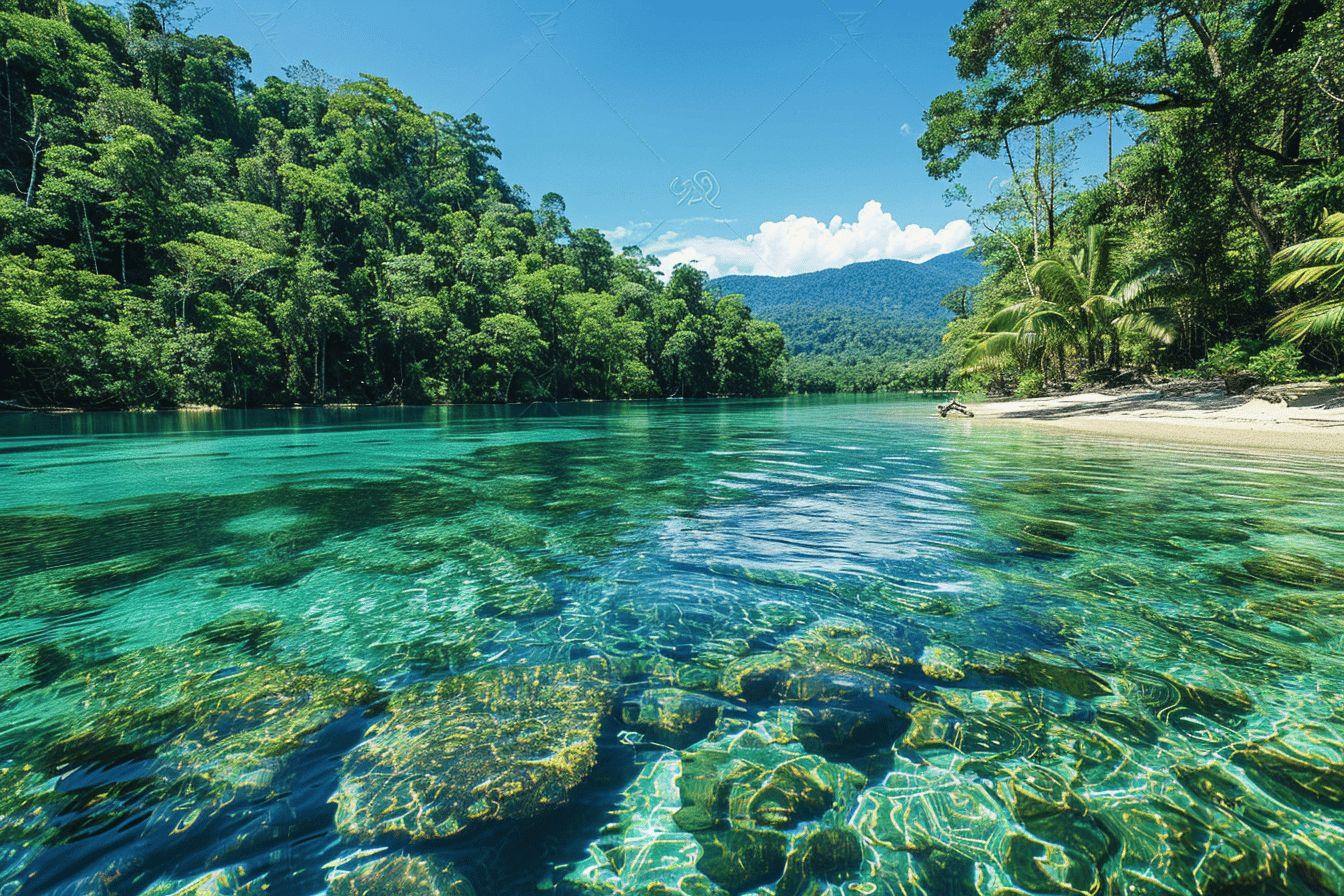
x=800 y=647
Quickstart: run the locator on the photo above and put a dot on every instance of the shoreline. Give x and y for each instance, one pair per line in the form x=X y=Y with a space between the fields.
x=1303 y=418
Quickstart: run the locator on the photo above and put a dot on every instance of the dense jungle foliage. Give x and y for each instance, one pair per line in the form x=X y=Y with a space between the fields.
x=172 y=233
x=1206 y=244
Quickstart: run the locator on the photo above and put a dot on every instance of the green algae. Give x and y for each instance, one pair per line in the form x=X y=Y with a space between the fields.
x=400 y=876
x=505 y=743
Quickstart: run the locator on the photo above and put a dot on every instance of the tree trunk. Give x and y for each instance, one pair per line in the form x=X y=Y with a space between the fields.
x=1254 y=209
x=32 y=172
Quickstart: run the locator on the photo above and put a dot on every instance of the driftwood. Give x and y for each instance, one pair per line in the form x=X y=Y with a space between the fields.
x=954 y=407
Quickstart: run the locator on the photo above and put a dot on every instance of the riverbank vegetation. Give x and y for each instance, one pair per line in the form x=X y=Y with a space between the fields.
x=172 y=233
x=1207 y=244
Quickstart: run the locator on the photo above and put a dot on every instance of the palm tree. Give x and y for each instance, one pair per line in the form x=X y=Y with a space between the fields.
x=1316 y=263
x=1078 y=303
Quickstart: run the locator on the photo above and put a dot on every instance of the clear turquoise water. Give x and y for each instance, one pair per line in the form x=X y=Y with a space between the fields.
x=1103 y=668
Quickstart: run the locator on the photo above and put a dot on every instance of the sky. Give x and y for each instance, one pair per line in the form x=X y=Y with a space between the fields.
x=748 y=136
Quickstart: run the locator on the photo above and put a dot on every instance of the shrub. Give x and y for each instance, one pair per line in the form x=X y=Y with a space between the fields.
x=1229 y=362
x=1225 y=359
x=1280 y=364
x=1031 y=384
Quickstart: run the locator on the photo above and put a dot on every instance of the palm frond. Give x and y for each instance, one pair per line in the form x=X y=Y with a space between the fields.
x=1317 y=318
x=1318 y=252
x=1058 y=282
x=1157 y=324
x=1333 y=225
x=1330 y=277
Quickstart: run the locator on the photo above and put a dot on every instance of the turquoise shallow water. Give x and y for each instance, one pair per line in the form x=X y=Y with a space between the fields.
x=782 y=647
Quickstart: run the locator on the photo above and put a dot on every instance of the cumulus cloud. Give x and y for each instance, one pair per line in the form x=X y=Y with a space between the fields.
x=800 y=245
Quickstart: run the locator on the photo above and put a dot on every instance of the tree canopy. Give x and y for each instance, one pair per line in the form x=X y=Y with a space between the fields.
x=172 y=233
x=1235 y=114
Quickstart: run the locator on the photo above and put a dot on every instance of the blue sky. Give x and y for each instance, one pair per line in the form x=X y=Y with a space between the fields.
x=696 y=129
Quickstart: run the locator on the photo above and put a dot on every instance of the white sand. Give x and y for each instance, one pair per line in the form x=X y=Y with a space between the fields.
x=1304 y=418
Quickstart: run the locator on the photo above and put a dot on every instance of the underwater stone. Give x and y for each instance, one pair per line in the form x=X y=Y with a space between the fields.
x=1038 y=669
x=227 y=882
x=1306 y=755
x=673 y=716
x=942 y=663
x=1295 y=571
x=502 y=743
x=827 y=854
x=251 y=629
x=846 y=644
x=646 y=853
x=267 y=715
x=748 y=796
x=222 y=708
x=400 y=876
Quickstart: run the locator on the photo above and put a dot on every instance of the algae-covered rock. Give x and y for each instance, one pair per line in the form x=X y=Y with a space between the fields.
x=942 y=663
x=208 y=712
x=645 y=853
x=1039 y=669
x=847 y=644
x=250 y=628
x=225 y=882
x=400 y=875
x=504 y=743
x=257 y=722
x=1295 y=571
x=26 y=798
x=754 y=798
x=1305 y=756
x=672 y=716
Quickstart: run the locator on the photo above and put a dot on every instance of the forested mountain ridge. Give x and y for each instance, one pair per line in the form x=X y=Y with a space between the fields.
x=172 y=233
x=886 y=307
x=888 y=286
x=870 y=325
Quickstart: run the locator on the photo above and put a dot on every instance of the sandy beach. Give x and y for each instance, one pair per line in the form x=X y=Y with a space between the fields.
x=1301 y=418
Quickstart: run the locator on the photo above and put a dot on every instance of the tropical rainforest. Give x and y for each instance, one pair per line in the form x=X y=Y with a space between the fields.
x=1213 y=243
x=173 y=234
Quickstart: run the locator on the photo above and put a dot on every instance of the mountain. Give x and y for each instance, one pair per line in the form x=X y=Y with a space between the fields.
x=889 y=310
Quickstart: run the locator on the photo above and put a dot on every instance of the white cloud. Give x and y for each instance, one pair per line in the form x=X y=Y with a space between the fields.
x=800 y=245
x=906 y=129
x=628 y=233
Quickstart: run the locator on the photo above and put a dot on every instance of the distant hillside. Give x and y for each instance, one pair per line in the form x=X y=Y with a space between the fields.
x=887 y=310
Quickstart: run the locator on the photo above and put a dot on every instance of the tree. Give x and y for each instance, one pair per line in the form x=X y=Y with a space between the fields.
x=507 y=343
x=1078 y=304
x=1316 y=265
x=297 y=240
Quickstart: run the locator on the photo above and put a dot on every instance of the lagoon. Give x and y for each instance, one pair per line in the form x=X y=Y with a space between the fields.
x=803 y=646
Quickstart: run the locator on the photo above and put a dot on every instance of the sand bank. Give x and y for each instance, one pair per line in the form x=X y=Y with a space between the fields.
x=1304 y=418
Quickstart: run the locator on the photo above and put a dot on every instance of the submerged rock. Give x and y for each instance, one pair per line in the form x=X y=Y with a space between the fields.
x=672 y=716
x=227 y=882
x=1305 y=756
x=1295 y=571
x=206 y=715
x=500 y=744
x=755 y=801
x=830 y=660
x=250 y=629
x=646 y=853
x=400 y=875
x=943 y=663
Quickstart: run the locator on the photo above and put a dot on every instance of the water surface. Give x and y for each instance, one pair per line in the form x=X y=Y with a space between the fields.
x=814 y=646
